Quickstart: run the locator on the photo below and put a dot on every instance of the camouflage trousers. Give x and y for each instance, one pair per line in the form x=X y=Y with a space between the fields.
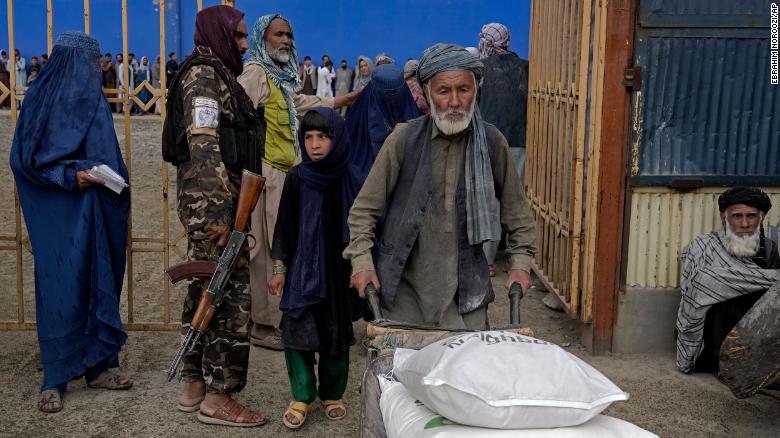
x=222 y=355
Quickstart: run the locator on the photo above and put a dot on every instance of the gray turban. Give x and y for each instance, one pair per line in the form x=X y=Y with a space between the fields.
x=79 y=40
x=447 y=57
x=482 y=210
x=410 y=68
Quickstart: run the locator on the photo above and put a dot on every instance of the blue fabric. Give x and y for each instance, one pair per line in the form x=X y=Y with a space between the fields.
x=384 y=102
x=306 y=280
x=78 y=237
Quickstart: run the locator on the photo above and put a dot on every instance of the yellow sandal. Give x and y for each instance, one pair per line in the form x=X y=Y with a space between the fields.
x=332 y=405
x=297 y=409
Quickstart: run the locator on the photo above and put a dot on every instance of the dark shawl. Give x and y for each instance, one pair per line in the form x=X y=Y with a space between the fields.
x=306 y=280
x=79 y=237
x=384 y=102
x=504 y=94
x=215 y=27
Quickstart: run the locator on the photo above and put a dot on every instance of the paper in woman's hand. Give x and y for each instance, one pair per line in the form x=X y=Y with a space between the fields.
x=112 y=180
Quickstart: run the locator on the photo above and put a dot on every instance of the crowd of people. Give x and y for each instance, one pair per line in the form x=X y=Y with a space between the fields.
x=411 y=192
x=329 y=174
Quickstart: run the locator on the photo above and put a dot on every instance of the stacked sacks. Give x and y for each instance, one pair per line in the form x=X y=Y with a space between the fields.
x=404 y=417
x=501 y=380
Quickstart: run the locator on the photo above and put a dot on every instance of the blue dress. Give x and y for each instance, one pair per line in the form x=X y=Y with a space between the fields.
x=79 y=237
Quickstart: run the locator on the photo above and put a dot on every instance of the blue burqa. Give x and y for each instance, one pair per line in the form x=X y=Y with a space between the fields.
x=78 y=237
x=384 y=102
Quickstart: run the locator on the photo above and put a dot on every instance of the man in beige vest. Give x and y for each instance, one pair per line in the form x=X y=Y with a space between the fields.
x=270 y=78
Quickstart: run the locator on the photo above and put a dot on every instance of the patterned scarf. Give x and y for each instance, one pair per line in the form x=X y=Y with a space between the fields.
x=711 y=275
x=286 y=78
x=493 y=39
x=481 y=204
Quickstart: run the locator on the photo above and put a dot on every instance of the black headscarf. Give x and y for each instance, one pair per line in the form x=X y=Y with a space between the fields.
x=749 y=196
x=215 y=27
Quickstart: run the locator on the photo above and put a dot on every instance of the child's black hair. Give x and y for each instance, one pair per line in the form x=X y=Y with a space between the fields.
x=314 y=121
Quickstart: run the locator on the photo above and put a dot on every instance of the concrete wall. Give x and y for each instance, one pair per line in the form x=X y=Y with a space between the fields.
x=645 y=320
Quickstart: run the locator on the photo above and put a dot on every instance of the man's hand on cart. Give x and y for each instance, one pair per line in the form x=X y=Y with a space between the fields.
x=360 y=280
x=521 y=277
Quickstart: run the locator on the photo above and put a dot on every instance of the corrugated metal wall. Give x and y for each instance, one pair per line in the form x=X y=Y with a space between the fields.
x=706 y=109
x=664 y=221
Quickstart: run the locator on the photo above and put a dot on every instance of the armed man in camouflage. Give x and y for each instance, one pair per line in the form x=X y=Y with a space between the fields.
x=211 y=133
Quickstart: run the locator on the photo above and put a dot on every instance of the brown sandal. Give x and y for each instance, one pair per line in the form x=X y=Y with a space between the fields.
x=50 y=401
x=233 y=414
x=111 y=380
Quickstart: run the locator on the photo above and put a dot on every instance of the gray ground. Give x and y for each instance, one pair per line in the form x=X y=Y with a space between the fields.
x=663 y=400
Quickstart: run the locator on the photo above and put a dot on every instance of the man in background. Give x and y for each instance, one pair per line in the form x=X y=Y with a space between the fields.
x=343 y=82
x=308 y=75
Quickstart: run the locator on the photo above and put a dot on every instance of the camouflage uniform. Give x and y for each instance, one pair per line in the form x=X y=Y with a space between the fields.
x=207 y=194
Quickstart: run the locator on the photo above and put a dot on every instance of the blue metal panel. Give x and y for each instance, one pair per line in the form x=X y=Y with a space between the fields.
x=343 y=28
x=707 y=110
x=703 y=13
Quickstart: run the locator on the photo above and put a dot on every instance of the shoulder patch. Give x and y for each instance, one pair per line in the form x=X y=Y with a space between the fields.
x=205 y=71
x=206 y=112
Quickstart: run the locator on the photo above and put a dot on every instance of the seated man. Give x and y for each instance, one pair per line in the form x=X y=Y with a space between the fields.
x=434 y=183
x=725 y=273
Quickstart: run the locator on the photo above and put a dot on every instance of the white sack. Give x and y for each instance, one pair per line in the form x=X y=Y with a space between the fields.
x=503 y=380
x=406 y=418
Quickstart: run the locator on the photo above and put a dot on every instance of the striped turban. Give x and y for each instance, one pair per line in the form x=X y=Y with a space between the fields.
x=493 y=39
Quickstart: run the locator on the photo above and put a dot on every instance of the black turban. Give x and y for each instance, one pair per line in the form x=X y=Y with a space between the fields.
x=749 y=196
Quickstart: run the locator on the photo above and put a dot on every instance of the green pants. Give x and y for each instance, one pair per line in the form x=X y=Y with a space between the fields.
x=332 y=370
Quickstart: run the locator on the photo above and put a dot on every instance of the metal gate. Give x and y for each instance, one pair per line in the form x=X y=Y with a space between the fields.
x=154 y=295
x=563 y=145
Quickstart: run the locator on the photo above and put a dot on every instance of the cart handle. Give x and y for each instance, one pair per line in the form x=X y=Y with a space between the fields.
x=515 y=295
x=372 y=296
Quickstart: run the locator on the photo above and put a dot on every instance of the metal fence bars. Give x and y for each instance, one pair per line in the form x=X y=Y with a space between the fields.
x=163 y=243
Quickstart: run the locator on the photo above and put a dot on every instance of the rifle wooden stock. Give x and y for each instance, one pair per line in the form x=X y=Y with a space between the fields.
x=251 y=187
x=204 y=313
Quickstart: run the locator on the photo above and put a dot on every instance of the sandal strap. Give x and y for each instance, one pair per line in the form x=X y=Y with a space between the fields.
x=298 y=410
x=228 y=411
x=232 y=410
x=331 y=405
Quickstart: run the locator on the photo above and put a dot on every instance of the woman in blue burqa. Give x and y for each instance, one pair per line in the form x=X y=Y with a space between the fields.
x=77 y=227
x=384 y=102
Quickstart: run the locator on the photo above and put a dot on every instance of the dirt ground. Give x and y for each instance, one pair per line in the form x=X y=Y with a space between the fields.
x=663 y=400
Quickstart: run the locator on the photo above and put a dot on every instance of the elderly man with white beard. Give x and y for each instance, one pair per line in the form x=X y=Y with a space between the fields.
x=434 y=183
x=270 y=79
x=725 y=272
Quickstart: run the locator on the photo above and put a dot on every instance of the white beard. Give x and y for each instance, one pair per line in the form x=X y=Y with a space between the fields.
x=450 y=127
x=282 y=57
x=741 y=246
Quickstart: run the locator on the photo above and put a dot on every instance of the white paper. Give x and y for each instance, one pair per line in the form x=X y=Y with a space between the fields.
x=112 y=180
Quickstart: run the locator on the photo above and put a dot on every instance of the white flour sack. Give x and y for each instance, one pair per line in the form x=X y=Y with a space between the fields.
x=406 y=418
x=503 y=380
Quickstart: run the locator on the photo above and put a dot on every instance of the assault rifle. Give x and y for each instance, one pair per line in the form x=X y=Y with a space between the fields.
x=219 y=272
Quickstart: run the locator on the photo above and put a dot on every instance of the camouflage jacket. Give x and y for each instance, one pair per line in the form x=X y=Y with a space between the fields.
x=206 y=190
